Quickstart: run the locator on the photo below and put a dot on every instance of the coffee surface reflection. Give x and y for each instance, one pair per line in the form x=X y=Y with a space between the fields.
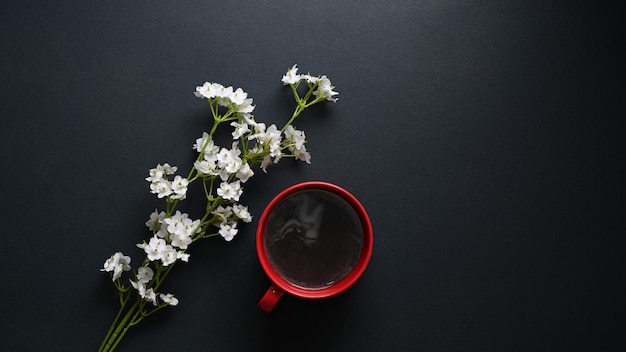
x=313 y=238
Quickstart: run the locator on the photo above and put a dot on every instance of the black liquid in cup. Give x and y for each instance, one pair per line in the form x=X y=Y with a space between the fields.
x=313 y=238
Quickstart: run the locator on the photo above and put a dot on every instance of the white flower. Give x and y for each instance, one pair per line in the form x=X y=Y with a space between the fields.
x=291 y=77
x=160 y=171
x=269 y=139
x=169 y=299
x=149 y=294
x=155 y=175
x=229 y=161
x=179 y=187
x=169 y=170
x=169 y=255
x=205 y=143
x=224 y=213
x=238 y=97
x=246 y=107
x=230 y=191
x=158 y=249
x=244 y=173
x=267 y=161
x=208 y=90
x=273 y=140
x=224 y=92
x=310 y=78
x=154 y=223
x=117 y=264
x=325 y=90
x=161 y=188
x=180 y=240
x=295 y=138
x=154 y=249
x=181 y=229
x=249 y=119
x=206 y=167
x=302 y=154
x=240 y=129
x=175 y=222
x=228 y=231
x=259 y=133
x=144 y=274
x=182 y=256
x=242 y=212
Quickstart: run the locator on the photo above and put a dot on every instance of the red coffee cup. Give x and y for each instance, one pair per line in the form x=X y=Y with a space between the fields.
x=314 y=240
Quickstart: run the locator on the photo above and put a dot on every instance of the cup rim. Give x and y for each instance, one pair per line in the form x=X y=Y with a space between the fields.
x=339 y=286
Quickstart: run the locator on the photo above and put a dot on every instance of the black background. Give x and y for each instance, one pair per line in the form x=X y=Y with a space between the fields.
x=481 y=136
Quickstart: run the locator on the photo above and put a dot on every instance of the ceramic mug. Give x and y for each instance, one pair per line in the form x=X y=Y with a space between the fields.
x=314 y=240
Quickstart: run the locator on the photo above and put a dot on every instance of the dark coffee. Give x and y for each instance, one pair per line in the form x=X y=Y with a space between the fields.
x=313 y=238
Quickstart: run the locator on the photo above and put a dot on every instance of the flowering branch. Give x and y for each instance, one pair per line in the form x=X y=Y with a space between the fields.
x=222 y=172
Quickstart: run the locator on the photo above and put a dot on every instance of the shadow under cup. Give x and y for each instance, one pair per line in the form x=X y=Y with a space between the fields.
x=314 y=240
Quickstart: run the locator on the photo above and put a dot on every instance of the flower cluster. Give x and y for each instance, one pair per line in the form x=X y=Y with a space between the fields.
x=324 y=88
x=222 y=171
x=117 y=264
x=226 y=97
x=163 y=187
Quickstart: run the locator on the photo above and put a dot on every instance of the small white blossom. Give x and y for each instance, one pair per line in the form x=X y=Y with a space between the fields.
x=182 y=256
x=179 y=187
x=295 y=138
x=269 y=139
x=246 y=107
x=224 y=213
x=155 y=175
x=273 y=140
x=169 y=299
x=154 y=249
x=180 y=240
x=149 y=294
x=325 y=90
x=228 y=161
x=267 y=161
x=224 y=93
x=240 y=129
x=206 y=167
x=169 y=170
x=208 y=90
x=302 y=154
x=160 y=171
x=291 y=77
x=144 y=274
x=156 y=218
x=228 y=231
x=242 y=212
x=249 y=119
x=310 y=78
x=181 y=229
x=205 y=143
x=230 y=191
x=244 y=173
x=169 y=255
x=238 y=96
x=117 y=264
x=161 y=188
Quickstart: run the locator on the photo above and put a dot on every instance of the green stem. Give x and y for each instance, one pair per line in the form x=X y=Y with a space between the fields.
x=296 y=113
x=115 y=336
x=112 y=328
x=302 y=104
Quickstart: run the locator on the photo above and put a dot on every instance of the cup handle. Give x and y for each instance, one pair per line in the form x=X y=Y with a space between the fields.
x=271 y=297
